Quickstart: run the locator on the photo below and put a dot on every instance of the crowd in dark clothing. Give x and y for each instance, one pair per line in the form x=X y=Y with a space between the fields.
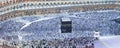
x=81 y=42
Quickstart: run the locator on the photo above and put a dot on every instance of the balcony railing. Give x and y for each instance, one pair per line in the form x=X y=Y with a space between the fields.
x=53 y=4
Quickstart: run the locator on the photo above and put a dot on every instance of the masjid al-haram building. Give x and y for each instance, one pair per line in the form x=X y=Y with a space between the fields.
x=59 y=23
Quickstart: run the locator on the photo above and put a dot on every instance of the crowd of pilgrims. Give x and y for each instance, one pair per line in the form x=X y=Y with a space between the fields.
x=82 y=22
x=81 y=42
x=95 y=19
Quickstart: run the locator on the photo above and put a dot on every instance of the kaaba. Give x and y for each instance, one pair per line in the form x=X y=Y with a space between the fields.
x=66 y=25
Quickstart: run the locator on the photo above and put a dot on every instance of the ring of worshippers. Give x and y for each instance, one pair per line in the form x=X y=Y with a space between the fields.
x=57 y=24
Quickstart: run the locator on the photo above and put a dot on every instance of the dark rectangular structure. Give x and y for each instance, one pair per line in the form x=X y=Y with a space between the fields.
x=66 y=25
